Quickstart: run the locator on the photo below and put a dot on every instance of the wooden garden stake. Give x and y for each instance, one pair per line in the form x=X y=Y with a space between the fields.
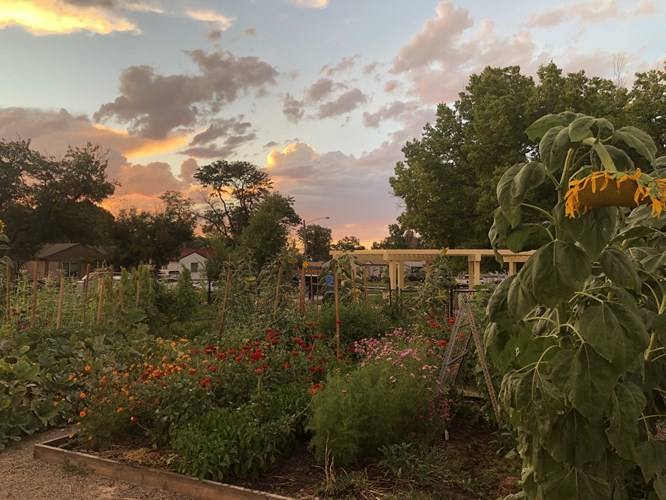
x=277 y=291
x=353 y=277
x=138 y=290
x=61 y=296
x=302 y=287
x=8 y=286
x=365 y=285
x=227 y=288
x=33 y=313
x=100 y=301
x=337 y=313
x=85 y=293
x=121 y=296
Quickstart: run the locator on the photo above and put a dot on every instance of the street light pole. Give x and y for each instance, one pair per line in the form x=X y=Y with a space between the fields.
x=305 y=239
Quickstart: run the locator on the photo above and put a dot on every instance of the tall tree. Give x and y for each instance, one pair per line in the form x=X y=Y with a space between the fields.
x=316 y=241
x=268 y=227
x=347 y=244
x=236 y=187
x=398 y=238
x=448 y=177
x=49 y=200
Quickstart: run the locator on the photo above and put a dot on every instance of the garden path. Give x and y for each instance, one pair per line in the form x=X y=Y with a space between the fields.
x=24 y=478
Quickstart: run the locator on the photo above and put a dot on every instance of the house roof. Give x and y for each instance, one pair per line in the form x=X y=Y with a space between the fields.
x=204 y=252
x=68 y=251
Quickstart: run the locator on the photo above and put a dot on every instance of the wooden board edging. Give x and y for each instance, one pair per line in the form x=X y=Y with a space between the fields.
x=168 y=481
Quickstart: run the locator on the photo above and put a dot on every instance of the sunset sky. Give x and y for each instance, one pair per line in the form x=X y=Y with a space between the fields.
x=323 y=93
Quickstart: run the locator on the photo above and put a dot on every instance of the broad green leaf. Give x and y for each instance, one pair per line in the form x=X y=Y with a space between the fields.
x=538 y=401
x=571 y=483
x=659 y=486
x=558 y=153
x=573 y=440
x=509 y=205
x=592 y=381
x=526 y=237
x=530 y=176
x=620 y=158
x=652 y=458
x=592 y=230
x=560 y=369
x=543 y=124
x=605 y=331
x=626 y=405
x=497 y=308
x=659 y=162
x=497 y=231
x=659 y=324
x=638 y=140
x=520 y=300
x=555 y=272
x=580 y=128
x=620 y=269
x=546 y=147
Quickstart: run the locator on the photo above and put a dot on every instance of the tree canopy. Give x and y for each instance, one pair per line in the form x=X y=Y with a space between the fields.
x=48 y=200
x=316 y=241
x=448 y=177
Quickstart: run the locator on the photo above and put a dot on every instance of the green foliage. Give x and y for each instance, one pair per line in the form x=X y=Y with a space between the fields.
x=186 y=298
x=358 y=321
x=374 y=405
x=448 y=177
x=577 y=332
x=241 y=441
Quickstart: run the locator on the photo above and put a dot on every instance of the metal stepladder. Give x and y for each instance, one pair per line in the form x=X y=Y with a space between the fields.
x=465 y=328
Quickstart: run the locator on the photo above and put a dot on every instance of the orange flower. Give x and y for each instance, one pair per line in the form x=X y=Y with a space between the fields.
x=82 y=413
x=82 y=395
x=87 y=368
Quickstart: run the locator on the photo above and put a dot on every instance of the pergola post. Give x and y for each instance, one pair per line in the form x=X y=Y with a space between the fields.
x=474 y=262
x=401 y=275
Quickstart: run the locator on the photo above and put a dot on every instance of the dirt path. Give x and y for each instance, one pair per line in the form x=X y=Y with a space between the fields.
x=24 y=478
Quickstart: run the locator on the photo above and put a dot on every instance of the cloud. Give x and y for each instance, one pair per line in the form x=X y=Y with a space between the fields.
x=591 y=13
x=154 y=105
x=46 y=17
x=394 y=111
x=344 y=64
x=234 y=133
x=292 y=108
x=320 y=89
x=345 y=103
x=309 y=4
x=336 y=185
x=217 y=20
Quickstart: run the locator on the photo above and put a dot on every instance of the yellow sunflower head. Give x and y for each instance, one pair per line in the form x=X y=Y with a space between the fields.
x=621 y=189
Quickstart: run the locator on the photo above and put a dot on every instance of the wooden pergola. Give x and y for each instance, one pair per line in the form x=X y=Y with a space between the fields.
x=396 y=259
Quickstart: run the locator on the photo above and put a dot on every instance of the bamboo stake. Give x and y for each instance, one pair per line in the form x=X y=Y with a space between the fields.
x=61 y=297
x=227 y=288
x=121 y=296
x=277 y=291
x=100 y=301
x=365 y=285
x=302 y=288
x=337 y=313
x=138 y=290
x=8 y=311
x=33 y=313
x=353 y=277
x=85 y=294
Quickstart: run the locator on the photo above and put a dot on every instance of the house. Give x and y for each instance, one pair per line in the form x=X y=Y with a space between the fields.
x=72 y=259
x=194 y=259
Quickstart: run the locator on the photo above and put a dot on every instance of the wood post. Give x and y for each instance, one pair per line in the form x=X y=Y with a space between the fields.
x=337 y=313
x=353 y=278
x=85 y=293
x=61 y=296
x=365 y=285
x=302 y=289
x=277 y=291
x=100 y=301
x=33 y=312
x=138 y=289
x=223 y=313
x=8 y=309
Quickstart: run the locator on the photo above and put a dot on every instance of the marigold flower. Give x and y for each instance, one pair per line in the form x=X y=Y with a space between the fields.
x=55 y=403
x=82 y=413
x=87 y=368
x=82 y=395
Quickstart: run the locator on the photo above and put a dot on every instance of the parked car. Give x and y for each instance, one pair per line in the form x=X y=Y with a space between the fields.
x=93 y=277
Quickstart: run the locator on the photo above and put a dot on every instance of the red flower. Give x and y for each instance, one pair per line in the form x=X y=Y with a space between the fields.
x=338 y=321
x=205 y=381
x=452 y=320
x=286 y=365
x=212 y=368
x=239 y=358
x=442 y=343
x=220 y=355
x=192 y=371
x=256 y=355
x=259 y=371
x=294 y=353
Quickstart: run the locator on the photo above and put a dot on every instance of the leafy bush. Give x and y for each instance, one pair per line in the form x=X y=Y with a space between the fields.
x=374 y=405
x=235 y=442
x=358 y=321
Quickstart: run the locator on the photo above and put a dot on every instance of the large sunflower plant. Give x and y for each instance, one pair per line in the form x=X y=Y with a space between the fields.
x=579 y=333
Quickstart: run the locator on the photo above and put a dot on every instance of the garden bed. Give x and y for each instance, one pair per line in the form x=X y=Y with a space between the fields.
x=466 y=466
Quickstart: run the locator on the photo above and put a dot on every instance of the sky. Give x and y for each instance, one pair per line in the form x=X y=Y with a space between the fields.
x=322 y=93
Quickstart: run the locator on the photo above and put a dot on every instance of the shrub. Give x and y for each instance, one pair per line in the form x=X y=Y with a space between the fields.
x=375 y=405
x=358 y=322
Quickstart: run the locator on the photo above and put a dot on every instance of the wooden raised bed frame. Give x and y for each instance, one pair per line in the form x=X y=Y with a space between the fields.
x=51 y=451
